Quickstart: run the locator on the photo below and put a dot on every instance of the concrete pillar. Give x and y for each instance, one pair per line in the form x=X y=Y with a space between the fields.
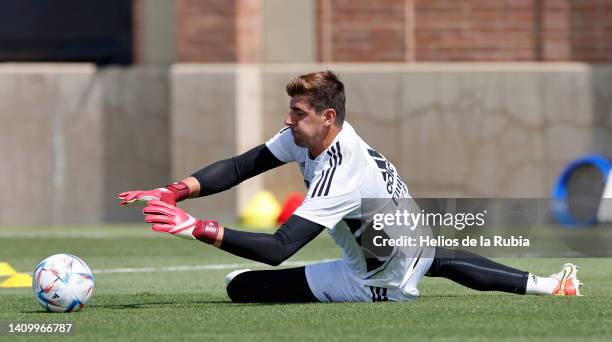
x=155 y=31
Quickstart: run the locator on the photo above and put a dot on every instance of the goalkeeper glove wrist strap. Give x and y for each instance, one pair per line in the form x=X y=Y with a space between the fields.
x=179 y=189
x=208 y=232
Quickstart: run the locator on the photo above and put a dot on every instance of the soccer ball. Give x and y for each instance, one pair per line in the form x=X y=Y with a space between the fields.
x=63 y=283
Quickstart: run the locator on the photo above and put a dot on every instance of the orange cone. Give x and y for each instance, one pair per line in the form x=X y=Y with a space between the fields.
x=293 y=201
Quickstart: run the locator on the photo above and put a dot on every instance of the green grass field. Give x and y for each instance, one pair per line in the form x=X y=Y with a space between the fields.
x=141 y=295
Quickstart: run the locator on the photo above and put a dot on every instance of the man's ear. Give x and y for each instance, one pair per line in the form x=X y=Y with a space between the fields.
x=330 y=116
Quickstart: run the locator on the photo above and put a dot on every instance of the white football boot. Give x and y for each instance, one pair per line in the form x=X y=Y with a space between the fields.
x=568 y=285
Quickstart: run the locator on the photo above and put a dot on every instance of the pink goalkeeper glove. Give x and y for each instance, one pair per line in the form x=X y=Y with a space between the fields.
x=171 y=194
x=170 y=219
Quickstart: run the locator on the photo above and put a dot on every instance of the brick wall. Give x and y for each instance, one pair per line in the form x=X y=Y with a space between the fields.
x=556 y=31
x=206 y=31
x=409 y=30
x=590 y=23
x=362 y=30
x=475 y=30
x=465 y=30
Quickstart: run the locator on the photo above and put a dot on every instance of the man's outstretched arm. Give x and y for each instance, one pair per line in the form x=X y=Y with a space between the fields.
x=230 y=172
x=212 y=179
x=271 y=249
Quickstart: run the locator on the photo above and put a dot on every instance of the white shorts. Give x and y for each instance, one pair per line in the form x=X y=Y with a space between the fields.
x=332 y=282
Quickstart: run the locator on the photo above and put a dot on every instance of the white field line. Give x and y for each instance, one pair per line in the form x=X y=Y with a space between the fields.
x=71 y=235
x=199 y=267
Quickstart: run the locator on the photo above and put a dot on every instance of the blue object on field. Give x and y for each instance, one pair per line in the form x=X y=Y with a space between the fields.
x=559 y=206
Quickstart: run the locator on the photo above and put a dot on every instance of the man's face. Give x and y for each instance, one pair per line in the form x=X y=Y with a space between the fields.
x=307 y=127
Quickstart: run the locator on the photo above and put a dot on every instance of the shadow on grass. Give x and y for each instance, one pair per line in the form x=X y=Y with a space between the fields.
x=228 y=303
x=470 y=295
x=149 y=305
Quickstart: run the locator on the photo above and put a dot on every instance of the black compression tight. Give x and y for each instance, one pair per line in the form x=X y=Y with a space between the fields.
x=476 y=272
x=288 y=285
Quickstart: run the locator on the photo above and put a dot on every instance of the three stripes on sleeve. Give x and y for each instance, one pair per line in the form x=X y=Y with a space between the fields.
x=324 y=184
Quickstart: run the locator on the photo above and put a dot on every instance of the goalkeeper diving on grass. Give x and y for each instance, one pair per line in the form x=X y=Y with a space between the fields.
x=339 y=170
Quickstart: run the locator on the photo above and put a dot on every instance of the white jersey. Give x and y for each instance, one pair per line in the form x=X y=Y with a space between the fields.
x=337 y=180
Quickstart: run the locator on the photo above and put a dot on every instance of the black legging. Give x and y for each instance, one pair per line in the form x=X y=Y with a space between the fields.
x=476 y=272
x=289 y=285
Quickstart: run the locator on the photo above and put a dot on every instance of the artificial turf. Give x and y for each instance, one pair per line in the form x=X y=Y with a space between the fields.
x=154 y=287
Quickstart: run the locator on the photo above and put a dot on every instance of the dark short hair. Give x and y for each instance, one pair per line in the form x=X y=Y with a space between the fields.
x=324 y=90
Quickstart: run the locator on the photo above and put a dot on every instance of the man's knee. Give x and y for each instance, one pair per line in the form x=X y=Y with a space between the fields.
x=288 y=285
x=235 y=285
